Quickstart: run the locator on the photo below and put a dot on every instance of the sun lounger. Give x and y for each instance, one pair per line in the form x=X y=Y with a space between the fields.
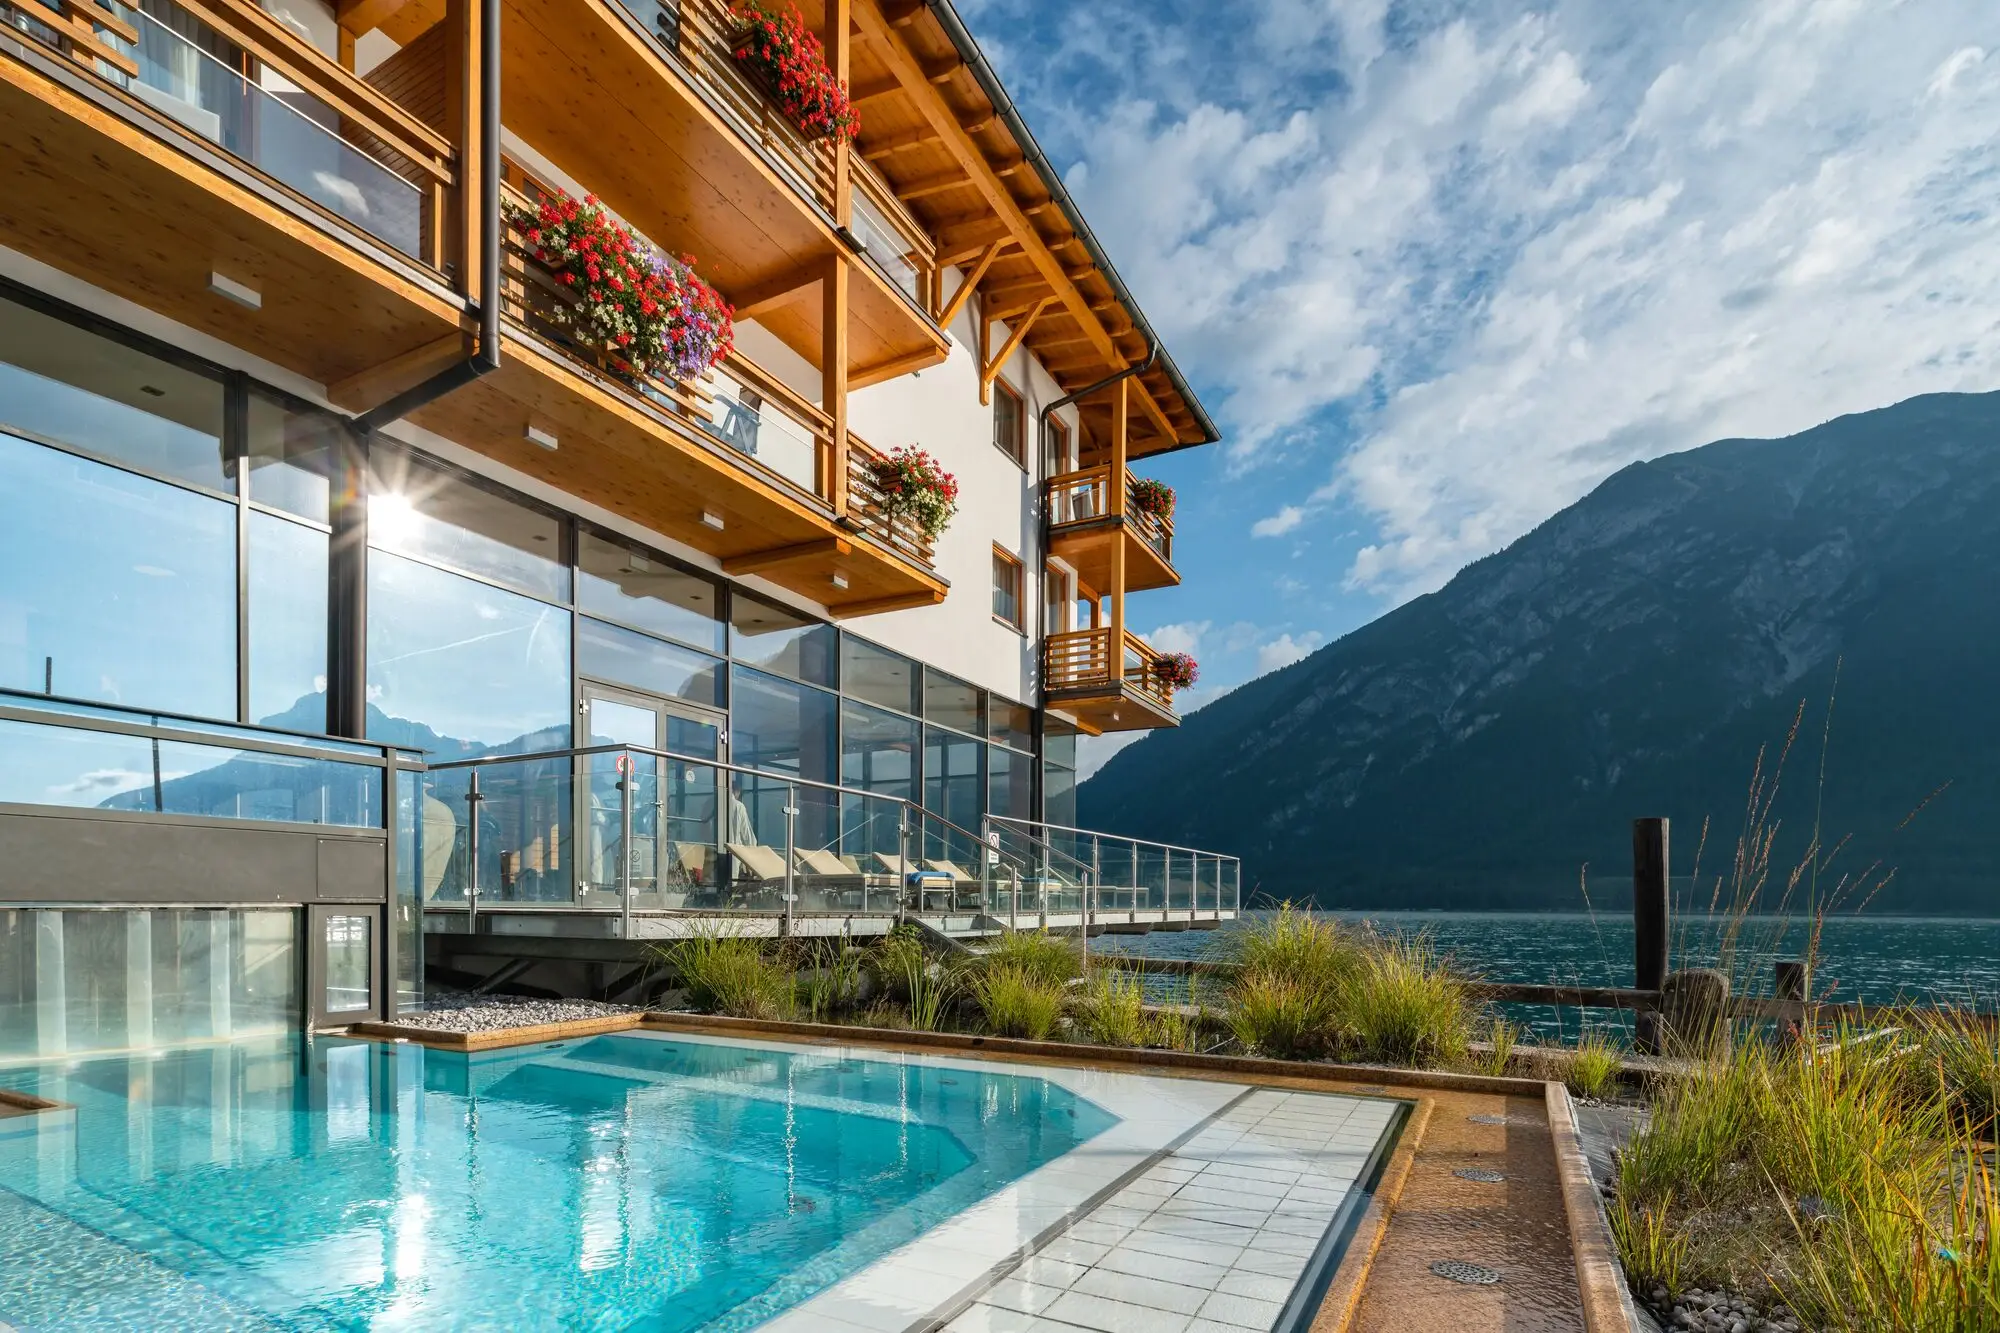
x=765 y=864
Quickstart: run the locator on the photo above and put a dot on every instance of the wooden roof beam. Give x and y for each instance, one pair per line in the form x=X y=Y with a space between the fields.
x=964 y=292
x=929 y=185
x=752 y=562
x=943 y=71
x=874 y=92
x=901 y=13
x=929 y=103
x=896 y=367
x=890 y=145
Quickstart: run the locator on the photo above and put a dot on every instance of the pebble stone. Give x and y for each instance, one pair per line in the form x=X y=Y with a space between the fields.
x=458 y=1012
x=1719 y=1312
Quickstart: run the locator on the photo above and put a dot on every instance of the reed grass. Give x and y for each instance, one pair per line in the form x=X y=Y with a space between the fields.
x=1111 y=1010
x=1591 y=1068
x=831 y=980
x=1281 y=1018
x=1049 y=959
x=1018 y=1002
x=1404 y=1004
x=1501 y=1039
x=729 y=973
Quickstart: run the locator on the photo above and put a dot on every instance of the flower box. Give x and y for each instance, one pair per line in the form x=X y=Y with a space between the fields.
x=1176 y=671
x=648 y=313
x=785 y=59
x=1154 y=499
x=913 y=486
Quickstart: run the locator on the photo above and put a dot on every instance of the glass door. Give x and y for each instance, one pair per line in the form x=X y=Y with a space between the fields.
x=674 y=843
x=343 y=978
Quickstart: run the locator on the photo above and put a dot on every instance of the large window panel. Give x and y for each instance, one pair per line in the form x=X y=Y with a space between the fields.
x=950 y=702
x=878 y=753
x=786 y=729
x=953 y=780
x=1010 y=783
x=114 y=587
x=608 y=653
x=783 y=641
x=67 y=384
x=879 y=676
x=1059 y=795
x=290 y=454
x=648 y=592
x=418 y=510
x=287 y=624
x=1012 y=724
x=460 y=668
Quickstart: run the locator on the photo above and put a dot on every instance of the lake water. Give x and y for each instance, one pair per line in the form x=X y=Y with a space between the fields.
x=1870 y=958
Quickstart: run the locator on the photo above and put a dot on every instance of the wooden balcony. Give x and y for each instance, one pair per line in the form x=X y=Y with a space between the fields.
x=1078 y=677
x=1084 y=531
x=142 y=164
x=642 y=101
x=736 y=464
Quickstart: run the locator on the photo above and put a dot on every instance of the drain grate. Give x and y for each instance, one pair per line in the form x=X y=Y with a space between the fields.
x=1499 y=1120
x=1480 y=1174
x=1472 y=1275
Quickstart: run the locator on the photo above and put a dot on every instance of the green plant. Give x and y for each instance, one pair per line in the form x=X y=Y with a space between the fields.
x=729 y=973
x=1405 y=1005
x=1281 y=1018
x=1501 y=1038
x=1591 y=1069
x=1295 y=945
x=1654 y=1252
x=895 y=959
x=1017 y=1003
x=1054 y=959
x=831 y=980
x=1964 y=1051
x=1112 y=1008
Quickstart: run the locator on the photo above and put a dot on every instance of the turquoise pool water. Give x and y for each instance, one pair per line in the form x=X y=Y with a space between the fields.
x=625 y=1182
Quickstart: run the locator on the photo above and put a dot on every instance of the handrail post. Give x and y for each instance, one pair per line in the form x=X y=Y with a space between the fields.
x=628 y=767
x=472 y=800
x=1650 y=920
x=903 y=861
x=791 y=868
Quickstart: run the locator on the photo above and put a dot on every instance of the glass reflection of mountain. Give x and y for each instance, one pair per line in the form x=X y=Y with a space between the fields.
x=247 y=785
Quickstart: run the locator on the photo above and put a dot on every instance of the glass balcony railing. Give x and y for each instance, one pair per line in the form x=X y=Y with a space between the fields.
x=181 y=80
x=1128 y=874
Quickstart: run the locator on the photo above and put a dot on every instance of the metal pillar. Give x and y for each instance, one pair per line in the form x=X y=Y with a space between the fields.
x=472 y=800
x=791 y=869
x=626 y=767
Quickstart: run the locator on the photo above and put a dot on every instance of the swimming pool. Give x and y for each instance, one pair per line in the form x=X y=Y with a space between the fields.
x=623 y=1182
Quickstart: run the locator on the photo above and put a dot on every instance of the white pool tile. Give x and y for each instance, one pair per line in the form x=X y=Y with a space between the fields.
x=1164 y=1267
x=1103 y=1315
x=1150 y=1292
x=1241 y=1311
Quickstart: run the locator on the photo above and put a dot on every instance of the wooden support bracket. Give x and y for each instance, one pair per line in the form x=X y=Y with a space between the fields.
x=991 y=371
x=752 y=562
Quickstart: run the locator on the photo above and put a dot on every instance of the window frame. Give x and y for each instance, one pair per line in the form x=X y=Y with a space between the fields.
x=1017 y=451
x=1004 y=559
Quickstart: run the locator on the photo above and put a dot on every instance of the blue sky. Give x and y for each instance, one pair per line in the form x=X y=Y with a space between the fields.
x=1438 y=267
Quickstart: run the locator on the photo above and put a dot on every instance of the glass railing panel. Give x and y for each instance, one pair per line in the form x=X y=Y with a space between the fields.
x=73 y=768
x=1152 y=876
x=886 y=247
x=524 y=814
x=742 y=418
x=845 y=851
x=180 y=80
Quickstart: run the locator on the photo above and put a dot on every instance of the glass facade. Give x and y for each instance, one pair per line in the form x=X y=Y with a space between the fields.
x=77 y=981
x=165 y=546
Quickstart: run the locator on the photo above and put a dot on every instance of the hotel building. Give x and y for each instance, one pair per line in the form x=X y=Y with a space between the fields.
x=354 y=603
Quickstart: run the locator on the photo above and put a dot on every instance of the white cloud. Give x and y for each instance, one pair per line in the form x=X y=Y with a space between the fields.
x=1184 y=637
x=1280 y=523
x=1497 y=256
x=1285 y=650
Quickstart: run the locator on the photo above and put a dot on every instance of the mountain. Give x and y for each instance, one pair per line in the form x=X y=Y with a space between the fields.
x=1478 y=746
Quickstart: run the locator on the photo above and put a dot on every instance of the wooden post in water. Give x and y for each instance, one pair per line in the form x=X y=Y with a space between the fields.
x=1649 y=920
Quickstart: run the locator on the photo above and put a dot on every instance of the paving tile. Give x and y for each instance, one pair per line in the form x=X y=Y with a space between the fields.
x=1277 y=1242
x=1044 y=1271
x=1242 y=1311
x=1150 y=1292
x=1163 y=1267
x=1072 y=1249
x=1273 y=1265
x=1257 y=1286
x=992 y=1319
x=1108 y=1316
x=1015 y=1293
x=1222 y=1254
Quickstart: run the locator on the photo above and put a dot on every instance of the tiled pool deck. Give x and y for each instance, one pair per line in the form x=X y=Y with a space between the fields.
x=1201 y=1211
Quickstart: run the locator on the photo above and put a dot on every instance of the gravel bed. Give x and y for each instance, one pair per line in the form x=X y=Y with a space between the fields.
x=458 y=1012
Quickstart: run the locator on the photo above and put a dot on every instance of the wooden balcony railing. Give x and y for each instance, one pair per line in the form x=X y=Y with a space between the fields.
x=1085 y=496
x=738 y=404
x=1082 y=659
x=336 y=141
x=865 y=507
x=699 y=35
